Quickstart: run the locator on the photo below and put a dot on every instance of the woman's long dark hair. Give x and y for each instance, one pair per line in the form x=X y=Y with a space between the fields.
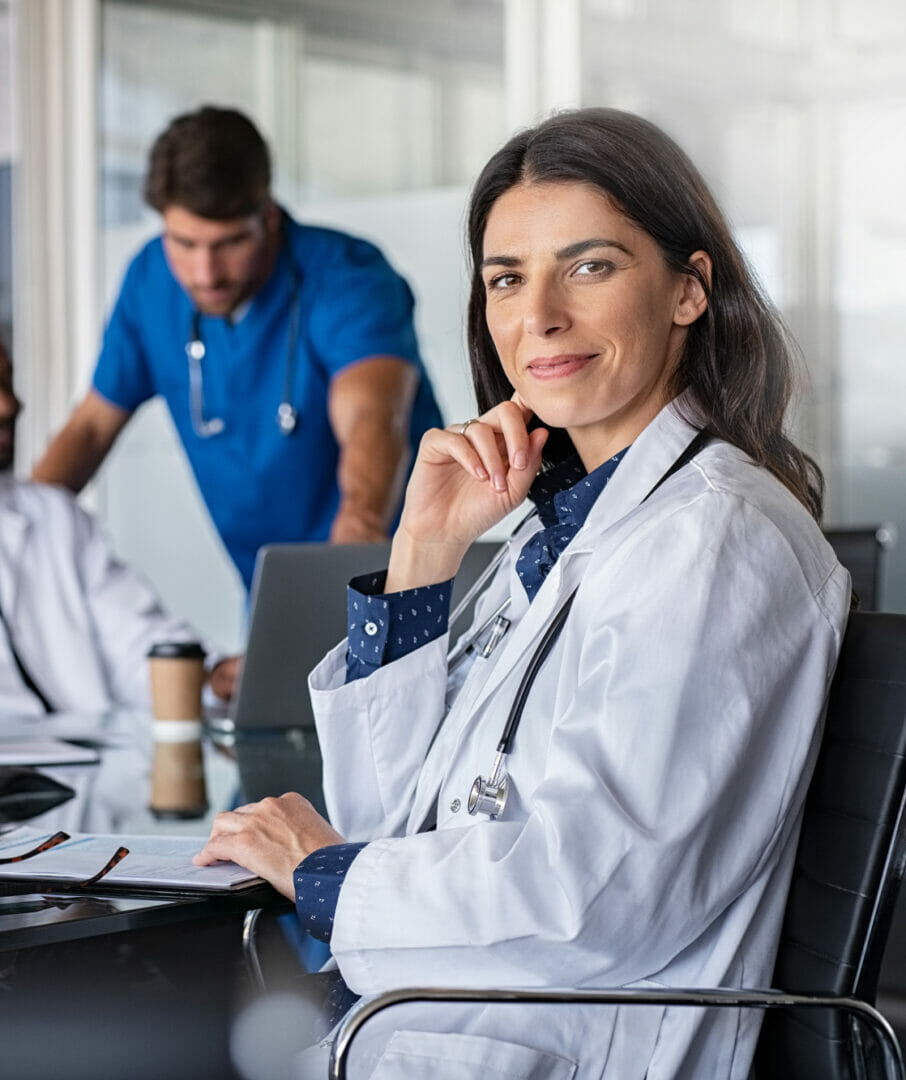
x=739 y=360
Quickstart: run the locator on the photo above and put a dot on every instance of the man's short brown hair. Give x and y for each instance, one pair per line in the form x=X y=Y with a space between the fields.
x=213 y=163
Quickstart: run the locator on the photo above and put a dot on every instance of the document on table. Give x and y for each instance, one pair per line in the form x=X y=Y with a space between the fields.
x=115 y=727
x=26 y=750
x=163 y=862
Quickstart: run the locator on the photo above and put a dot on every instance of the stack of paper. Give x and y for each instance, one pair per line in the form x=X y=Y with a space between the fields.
x=21 y=750
x=153 y=861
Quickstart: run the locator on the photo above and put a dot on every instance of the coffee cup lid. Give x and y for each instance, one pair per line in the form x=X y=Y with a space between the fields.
x=177 y=650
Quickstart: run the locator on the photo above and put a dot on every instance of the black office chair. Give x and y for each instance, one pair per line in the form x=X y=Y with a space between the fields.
x=849 y=865
x=861 y=551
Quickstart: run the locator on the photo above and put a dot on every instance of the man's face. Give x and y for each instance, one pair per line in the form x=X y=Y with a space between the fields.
x=10 y=407
x=220 y=263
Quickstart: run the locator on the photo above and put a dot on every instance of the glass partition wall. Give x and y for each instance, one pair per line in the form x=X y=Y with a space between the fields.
x=380 y=115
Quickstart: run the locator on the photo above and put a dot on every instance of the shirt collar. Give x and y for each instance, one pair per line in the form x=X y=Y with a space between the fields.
x=565 y=493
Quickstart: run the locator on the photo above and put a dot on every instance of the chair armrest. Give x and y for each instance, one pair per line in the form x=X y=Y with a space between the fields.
x=723 y=998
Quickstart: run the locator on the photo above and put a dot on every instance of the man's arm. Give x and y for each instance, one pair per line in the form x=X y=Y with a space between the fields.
x=75 y=453
x=369 y=405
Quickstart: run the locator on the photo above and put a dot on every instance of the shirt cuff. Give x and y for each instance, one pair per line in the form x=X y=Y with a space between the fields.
x=387 y=626
x=317 y=881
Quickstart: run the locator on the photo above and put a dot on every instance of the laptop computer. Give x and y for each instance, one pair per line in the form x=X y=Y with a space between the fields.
x=298 y=613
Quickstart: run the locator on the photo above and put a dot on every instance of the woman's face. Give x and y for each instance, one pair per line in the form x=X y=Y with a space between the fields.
x=587 y=318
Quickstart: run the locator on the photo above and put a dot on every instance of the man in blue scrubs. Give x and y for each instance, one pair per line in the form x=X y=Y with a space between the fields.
x=286 y=353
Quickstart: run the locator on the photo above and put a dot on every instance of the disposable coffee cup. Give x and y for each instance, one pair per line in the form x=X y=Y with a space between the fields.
x=177 y=677
x=178 y=788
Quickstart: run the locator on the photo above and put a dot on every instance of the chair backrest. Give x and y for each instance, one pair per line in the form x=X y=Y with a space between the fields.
x=860 y=551
x=850 y=859
x=298 y=614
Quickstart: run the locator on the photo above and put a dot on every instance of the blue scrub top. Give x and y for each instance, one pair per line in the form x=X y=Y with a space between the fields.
x=261 y=486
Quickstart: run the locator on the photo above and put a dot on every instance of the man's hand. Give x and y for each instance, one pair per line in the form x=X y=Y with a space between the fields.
x=223 y=677
x=270 y=838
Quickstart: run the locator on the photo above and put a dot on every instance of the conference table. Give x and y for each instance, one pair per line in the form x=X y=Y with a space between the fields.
x=115 y=981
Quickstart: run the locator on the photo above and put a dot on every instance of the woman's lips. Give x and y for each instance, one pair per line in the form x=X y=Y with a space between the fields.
x=558 y=367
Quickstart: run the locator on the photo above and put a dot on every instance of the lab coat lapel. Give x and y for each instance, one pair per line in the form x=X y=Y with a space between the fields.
x=651 y=455
x=13 y=534
x=646 y=462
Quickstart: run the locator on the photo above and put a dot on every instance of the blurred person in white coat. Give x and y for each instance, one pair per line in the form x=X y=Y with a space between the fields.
x=75 y=622
x=632 y=381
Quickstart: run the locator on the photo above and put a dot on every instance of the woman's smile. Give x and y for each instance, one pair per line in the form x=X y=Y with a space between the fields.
x=561 y=366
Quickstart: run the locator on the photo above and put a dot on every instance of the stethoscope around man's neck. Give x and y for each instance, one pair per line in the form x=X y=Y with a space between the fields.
x=489 y=796
x=287 y=414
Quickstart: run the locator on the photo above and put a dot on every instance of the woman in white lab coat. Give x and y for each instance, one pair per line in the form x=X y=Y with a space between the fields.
x=656 y=780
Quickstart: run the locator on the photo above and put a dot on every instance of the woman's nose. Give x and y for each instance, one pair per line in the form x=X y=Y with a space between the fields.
x=545 y=312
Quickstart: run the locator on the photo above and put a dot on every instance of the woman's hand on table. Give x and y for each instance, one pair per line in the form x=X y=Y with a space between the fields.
x=270 y=838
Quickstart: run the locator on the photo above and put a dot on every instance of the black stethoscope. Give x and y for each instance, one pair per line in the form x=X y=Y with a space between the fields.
x=287 y=414
x=489 y=796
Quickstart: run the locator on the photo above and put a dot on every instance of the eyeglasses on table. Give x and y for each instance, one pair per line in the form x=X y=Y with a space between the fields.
x=59 y=838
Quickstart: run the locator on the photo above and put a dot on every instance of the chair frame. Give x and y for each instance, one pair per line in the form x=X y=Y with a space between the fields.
x=721 y=999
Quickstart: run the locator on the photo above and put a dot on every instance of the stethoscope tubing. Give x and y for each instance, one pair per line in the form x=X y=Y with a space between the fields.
x=540 y=654
x=287 y=414
x=489 y=796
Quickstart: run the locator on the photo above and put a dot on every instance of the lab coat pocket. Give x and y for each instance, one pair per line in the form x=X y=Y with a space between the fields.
x=414 y=1055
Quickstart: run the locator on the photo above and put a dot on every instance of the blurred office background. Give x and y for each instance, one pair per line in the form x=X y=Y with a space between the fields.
x=380 y=113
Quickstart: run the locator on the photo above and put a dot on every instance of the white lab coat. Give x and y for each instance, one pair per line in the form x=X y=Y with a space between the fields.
x=657 y=780
x=82 y=621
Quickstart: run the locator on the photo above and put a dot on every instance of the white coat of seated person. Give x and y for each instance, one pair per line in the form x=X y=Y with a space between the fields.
x=81 y=622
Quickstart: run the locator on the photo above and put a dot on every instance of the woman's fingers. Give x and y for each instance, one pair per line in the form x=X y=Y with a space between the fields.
x=485 y=440
x=513 y=417
x=444 y=444
x=500 y=441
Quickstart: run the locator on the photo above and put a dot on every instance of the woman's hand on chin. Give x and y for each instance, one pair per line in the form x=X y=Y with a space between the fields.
x=466 y=478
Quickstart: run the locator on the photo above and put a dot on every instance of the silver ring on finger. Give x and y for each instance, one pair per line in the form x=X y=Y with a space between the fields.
x=465 y=426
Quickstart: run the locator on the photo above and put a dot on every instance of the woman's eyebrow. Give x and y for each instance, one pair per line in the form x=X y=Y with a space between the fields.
x=568 y=252
x=581 y=246
x=499 y=260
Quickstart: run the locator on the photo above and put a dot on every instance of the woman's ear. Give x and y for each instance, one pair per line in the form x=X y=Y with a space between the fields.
x=694 y=296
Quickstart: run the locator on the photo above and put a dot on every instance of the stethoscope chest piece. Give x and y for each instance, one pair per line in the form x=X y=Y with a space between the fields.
x=287 y=418
x=489 y=797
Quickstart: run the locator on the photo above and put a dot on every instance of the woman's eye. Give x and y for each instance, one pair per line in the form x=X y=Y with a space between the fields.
x=594 y=267
x=502 y=281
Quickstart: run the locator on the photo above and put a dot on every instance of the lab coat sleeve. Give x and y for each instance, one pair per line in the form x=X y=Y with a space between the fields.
x=685 y=694
x=374 y=734
x=125 y=615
